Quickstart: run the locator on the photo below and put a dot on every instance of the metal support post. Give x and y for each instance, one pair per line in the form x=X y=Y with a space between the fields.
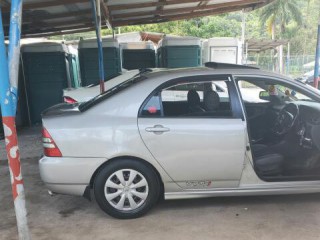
x=96 y=12
x=8 y=101
x=288 y=59
x=243 y=37
x=14 y=48
x=316 y=66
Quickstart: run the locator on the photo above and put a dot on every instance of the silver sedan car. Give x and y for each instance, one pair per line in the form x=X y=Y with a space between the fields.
x=173 y=134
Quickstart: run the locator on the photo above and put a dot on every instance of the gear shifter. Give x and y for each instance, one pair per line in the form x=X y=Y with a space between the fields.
x=304 y=141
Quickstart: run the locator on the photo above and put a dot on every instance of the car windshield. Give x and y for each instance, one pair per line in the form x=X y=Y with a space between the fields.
x=111 y=91
x=292 y=95
x=260 y=91
x=317 y=91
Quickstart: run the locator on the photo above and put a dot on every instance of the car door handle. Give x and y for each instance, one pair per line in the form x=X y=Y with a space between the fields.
x=157 y=129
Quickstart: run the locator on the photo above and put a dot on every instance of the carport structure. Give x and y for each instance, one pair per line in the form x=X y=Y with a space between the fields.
x=54 y=17
x=258 y=46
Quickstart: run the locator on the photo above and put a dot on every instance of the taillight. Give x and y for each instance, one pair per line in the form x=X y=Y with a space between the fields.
x=67 y=99
x=49 y=146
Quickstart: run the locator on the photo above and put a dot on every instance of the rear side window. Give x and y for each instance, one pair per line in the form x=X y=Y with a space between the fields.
x=179 y=93
x=152 y=107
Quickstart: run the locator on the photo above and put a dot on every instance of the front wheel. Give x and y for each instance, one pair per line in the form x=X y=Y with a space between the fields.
x=126 y=188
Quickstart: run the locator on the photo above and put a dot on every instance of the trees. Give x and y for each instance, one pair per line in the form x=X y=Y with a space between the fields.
x=278 y=14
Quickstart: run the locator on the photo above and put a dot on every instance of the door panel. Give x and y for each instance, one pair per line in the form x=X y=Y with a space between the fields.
x=195 y=150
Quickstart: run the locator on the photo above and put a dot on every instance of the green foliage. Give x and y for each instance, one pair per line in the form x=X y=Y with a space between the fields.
x=228 y=25
x=279 y=14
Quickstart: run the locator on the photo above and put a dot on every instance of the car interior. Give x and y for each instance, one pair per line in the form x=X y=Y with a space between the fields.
x=284 y=130
x=196 y=99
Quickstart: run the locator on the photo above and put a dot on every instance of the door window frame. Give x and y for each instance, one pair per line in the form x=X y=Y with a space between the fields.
x=234 y=97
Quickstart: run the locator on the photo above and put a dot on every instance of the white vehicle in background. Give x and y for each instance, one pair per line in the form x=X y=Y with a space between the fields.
x=86 y=93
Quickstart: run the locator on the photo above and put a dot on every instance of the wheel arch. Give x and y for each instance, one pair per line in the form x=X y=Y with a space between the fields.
x=109 y=161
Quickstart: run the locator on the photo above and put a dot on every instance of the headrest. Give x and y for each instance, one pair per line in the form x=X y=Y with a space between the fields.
x=211 y=101
x=193 y=98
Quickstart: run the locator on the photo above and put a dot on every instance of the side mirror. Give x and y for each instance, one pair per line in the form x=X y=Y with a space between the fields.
x=264 y=95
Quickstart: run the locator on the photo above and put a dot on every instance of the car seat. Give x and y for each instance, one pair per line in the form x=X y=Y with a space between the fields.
x=211 y=101
x=266 y=161
x=194 y=102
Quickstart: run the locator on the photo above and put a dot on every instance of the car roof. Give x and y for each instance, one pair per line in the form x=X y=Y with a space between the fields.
x=194 y=71
x=163 y=75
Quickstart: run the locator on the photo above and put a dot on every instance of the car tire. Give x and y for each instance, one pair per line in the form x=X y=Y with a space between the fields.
x=130 y=197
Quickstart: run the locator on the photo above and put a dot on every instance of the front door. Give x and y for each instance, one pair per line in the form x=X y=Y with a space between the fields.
x=195 y=136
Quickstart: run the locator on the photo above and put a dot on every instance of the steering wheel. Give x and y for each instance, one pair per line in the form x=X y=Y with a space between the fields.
x=286 y=119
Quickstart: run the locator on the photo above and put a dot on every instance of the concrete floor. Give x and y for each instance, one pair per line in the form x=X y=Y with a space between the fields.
x=69 y=217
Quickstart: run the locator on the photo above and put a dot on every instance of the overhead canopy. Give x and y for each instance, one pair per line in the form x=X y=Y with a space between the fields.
x=260 y=45
x=53 y=17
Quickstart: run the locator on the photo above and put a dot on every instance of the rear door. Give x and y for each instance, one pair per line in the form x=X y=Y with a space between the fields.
x=202 y=149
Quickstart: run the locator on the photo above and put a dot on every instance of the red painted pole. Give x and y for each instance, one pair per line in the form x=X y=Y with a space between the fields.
x=8 y=102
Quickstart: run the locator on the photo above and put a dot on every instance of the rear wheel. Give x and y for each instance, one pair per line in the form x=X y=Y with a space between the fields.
x=126 y=188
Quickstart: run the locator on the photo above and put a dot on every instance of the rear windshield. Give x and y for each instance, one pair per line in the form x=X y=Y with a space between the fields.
x=110 y=92
x=109 y=78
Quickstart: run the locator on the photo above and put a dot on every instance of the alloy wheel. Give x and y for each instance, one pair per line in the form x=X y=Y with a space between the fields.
x=126 y=189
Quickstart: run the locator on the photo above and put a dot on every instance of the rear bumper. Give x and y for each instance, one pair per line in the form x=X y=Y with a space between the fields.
x=73 y=189
x=67 y=175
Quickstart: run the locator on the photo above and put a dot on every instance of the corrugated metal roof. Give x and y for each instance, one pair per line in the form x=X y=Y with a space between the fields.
x=260 y=45
x=51 y=17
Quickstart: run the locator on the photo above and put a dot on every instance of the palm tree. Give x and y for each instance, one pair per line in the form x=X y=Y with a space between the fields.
x=280 y=13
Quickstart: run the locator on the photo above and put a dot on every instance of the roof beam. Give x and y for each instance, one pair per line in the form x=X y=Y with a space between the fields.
x=45 y=17
x=151 y=4
x=52 y=3
x=60 y=32
x=148 y=20
x=63 y=31
x=201 y=4
x=186 y=10
x=34 y=19
x=160 y=8
x=55 y=32
x=106 y=13
x=68 y=25
x=4 y=3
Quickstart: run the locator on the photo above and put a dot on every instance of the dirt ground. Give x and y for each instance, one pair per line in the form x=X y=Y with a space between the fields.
x=68 y=217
